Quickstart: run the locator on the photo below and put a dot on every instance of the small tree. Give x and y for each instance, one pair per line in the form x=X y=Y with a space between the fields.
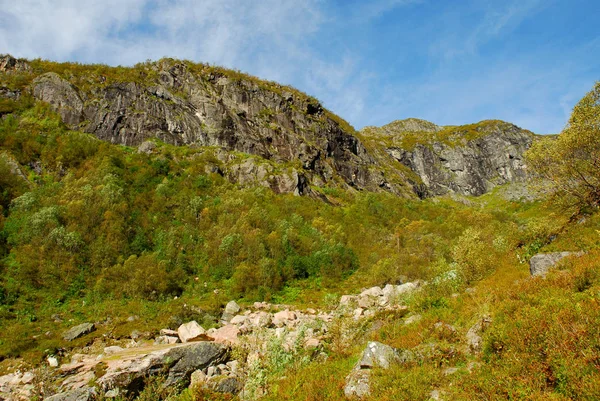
x=569 y=165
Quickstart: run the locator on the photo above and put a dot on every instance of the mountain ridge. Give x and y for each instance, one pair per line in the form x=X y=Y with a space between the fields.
x=183 y=103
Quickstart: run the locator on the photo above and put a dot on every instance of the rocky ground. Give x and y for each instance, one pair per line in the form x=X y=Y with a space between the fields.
x=220 y=358
x=229 y=358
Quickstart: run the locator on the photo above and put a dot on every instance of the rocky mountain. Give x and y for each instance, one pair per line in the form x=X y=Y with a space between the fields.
x=182 y=103
x=469 y=160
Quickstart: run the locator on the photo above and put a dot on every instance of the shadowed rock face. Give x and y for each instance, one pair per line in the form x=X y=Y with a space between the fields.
x=188 y=104
x=182 y=107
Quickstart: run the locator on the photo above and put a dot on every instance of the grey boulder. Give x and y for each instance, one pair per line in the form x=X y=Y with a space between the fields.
x=78 y=331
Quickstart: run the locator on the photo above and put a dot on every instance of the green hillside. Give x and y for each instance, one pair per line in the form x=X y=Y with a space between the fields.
x=93 y=231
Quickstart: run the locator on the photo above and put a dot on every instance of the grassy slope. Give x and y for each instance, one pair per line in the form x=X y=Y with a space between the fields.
x=97 y=211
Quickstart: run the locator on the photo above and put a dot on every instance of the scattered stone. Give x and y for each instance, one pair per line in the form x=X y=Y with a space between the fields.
x=450 y=371
x=191 y=331
x=147 y=147
x=133 y=318
x=126 y=372
x=366 y=302
x=114 y=393
x=261 y=319
x=357 y=384
x=474 y=340
x=346 y=300
x=82 y=394
x=27 y=377
x=233 y=365
x=168 y=332
x=239 y=319
x=112 y=350
x=444 y=330
x=78 y=331
x=377 y=354
x=166 y=340
x=227 y=334
x=229 y=385
x=231 y=309
x=372 y=292
x=52 y=361
x=283 y=318
x=542 y=262
x=198 y=378
x=413 y=319
x=312 y=343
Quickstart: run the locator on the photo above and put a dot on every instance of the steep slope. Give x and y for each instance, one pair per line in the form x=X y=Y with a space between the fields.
x=297 y=145
x=469 y=160
x=182 y=103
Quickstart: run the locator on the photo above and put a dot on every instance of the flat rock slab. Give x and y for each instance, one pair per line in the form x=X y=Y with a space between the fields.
x=78 y=331
x=82 y=394
x=542 y=262
x=127 y=370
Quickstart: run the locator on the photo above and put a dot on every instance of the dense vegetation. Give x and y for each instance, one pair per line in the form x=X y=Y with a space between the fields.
x=94 y=231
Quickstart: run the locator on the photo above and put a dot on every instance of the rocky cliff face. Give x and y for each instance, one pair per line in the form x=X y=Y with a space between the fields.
x=183 y=103
x=468 y=160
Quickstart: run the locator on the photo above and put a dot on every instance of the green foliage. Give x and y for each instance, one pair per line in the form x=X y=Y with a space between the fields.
x=568 y=164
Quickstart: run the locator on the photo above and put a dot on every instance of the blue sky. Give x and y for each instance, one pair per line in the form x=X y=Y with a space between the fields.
x=372 y=62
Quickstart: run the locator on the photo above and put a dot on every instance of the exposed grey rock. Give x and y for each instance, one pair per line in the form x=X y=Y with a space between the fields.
x=230 y=385
x=358 y=384
x=78 y=331
x=15 y=168
x=129 y=372
x=82 y=394
x=474 y=339
x=186 y=106
x=542 y=262
x=192 y=358
x=166 y=340
x=283 y=318
x=8 y=64
x=379 y=355
x=375 y=355
x=112 y=350
x=198 y=378
x=412 y=319
x=231 y=309
x=462 y=165
x=227 y=334
x=114 y=393
x=169 y=332
x=147 y=147
x=62 y=96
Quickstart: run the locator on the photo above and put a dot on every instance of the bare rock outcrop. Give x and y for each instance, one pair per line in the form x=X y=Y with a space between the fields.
x=468 y=160
x=541 y=263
